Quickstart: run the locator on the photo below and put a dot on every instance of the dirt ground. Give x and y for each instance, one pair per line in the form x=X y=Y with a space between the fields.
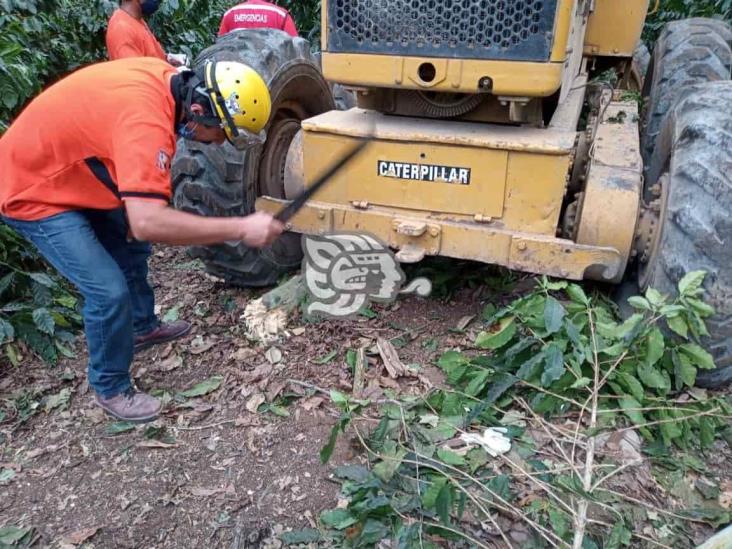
x=210 y=472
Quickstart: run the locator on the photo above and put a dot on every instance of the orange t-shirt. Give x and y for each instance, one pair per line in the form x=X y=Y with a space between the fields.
x=130 y=37
x=103 y=133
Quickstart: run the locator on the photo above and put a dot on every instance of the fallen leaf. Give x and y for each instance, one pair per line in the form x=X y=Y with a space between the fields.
x=298 y=331
x=259 y=373
x=203 y=388
x=155 y=444
x=40 y=451
x=205 y=492
x=80 y=536
x=311 y=403
x=243 y=353
x=274 y=355
x=255 y=402
x=59 y=400
x=170 y=363
x=275 y=389
x=198 y=345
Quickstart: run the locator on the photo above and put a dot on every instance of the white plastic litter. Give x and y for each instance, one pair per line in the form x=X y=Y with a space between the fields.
x=178 y=59
x=493 y=440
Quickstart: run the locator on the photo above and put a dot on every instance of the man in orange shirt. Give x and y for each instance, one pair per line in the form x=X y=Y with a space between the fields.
x=129 y=36
x=257 y=14
x=94 y=149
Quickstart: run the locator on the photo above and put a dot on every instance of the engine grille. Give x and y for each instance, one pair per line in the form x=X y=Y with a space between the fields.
x=519 y=30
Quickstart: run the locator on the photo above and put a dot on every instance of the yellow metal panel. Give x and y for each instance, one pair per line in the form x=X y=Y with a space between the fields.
x=527 y=252
x=518 y=175
x=534 y=190
x=362 y=123
x=386 y=174
x=562 y=26
x=611 y=203
x=510 y=78
x=615 y=27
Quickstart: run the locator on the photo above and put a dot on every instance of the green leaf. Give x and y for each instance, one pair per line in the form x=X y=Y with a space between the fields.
x=620 y=536
x=703 y=309
x=10 y=535
x=496 y=340
x=7 y=332
x=296 y=537
x=119 y=427
x=553 y=366
x=656 y=347
x=386 y=468
x=478 y=383
x=373 y=532
x=351 y=358
x=684 y=371
x=327 y=451
x=553 y=315
x=6 y=474
x=280 y=411
x=327 y=358
x=655 y=298
x=429 y=496
x=632 y=385
x=559 y=522
x=639 y=303
x=450 y=457
x=173 y=314
x=338 y=519
x=44 y=279
x=368 y=312
x=356 y=473
x=698 y=356
x=488 y=311
x=631 y=408
x=651 y=377
x=581 y=383
x=451 y=360
x=530 y=369
x=577 y=294
x=678 y=325
x=691 y=282
x=339 y=399
x=203 y=388
x=443 y=505
x=43 y=320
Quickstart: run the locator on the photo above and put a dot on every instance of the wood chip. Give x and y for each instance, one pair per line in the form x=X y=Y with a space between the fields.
x=359 y=372
x=464 y=321
x=274 y=355
x=389 y=355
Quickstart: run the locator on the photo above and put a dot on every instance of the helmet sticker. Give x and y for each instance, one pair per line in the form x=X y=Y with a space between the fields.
x=232 y=104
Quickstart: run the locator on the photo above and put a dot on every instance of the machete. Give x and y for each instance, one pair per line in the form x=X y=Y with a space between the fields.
x=286 y=213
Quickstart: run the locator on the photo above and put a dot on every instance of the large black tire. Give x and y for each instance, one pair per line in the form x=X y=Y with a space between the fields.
x=693 y=163
x=688 y=52
x=213 y=180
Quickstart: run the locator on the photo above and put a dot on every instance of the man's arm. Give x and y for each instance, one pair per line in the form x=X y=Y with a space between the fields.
x=155 y=221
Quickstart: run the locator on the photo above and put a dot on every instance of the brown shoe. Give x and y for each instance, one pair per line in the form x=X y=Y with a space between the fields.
x=131 y=406
x=167 y=331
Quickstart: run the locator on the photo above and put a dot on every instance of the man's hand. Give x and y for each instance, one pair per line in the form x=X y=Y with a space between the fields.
x=260 y=229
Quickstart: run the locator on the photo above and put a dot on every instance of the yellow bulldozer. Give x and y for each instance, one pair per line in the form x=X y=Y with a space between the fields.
x=503 y=131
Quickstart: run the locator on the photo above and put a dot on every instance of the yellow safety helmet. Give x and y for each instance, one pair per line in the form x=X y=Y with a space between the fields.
x=240 y=99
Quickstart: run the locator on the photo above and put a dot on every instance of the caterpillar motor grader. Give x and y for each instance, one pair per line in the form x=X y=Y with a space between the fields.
x=495 y=136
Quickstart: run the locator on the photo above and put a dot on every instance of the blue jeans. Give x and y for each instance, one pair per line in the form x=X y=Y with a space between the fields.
x=90 y=249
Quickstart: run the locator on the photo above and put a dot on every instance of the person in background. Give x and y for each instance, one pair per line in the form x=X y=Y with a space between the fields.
x=257 y=14
x=129 y=36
